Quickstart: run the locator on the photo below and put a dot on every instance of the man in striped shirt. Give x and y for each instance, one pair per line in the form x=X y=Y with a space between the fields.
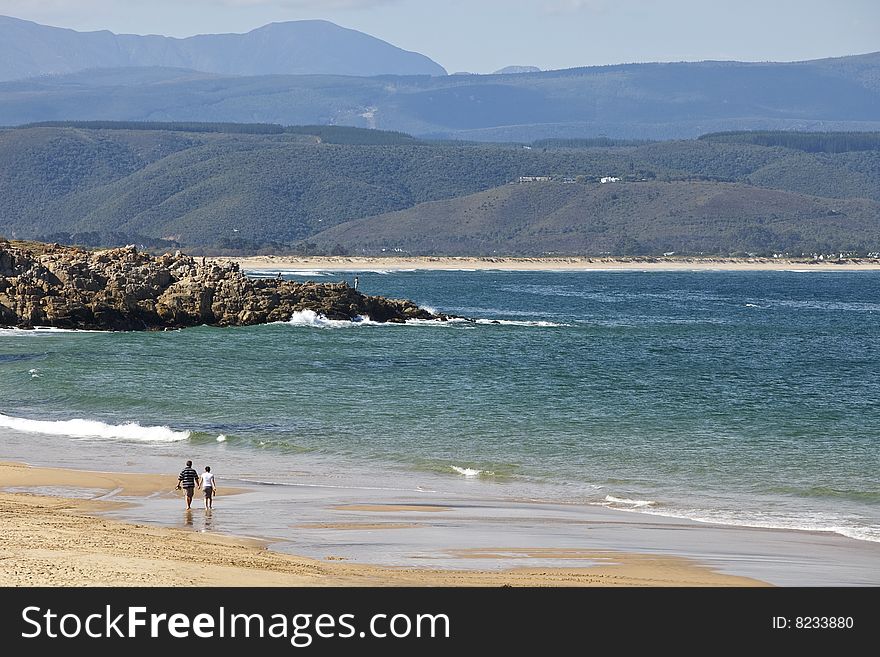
x=188 y=480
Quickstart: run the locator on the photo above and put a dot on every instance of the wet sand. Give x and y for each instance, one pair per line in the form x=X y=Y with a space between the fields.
x=112 y=484
x=60 y=541
x=358 y=526
x=398 y=508
x=92 y=534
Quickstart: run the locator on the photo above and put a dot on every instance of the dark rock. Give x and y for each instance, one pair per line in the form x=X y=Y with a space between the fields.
x=124 y=290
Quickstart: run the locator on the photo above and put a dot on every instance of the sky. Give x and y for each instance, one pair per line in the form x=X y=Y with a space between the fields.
x=481 y=36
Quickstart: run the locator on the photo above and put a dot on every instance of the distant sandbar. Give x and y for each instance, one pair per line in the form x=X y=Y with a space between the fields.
x=393 y=263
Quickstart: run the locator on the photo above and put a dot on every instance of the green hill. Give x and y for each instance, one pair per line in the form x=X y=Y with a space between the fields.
x=638 y=218
x=256 y=187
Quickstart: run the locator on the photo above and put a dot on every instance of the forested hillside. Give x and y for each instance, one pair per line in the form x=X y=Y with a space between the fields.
x=638 y=218
x=246 y=188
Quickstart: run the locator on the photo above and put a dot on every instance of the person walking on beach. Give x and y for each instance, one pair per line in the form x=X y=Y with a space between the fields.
x=207 y=484
x=187 y=480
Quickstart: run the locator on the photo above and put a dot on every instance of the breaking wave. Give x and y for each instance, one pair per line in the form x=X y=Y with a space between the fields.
x=310 y=318
x=624 y=502
x=315 y=320
x=14 y=330
x=79 y=428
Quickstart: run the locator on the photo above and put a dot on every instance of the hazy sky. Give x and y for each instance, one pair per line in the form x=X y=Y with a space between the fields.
x=484 y=35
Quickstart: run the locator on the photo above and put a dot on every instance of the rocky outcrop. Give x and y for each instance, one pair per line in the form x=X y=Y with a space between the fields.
x=125 y=289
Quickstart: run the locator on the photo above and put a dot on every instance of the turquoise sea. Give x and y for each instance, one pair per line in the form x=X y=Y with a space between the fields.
x=740 y=398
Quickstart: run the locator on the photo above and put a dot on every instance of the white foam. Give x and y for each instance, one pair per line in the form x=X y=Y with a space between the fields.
x=79 y=428
x=429 y=322
x=514 y=322
x=510 y=322
x=812 y=522
x=221 y=438
x=461 y=321
x=467 y=472
x=815 y=521
x=623 y=501
x=315 y=320
x=35 y=373
x=312 y=319
x=13 y=330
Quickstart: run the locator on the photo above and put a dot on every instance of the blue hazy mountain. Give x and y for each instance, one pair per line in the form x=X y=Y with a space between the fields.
x=635 y=101
x=29 y=49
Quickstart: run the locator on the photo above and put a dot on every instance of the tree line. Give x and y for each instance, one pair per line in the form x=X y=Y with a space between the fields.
x=331 y=134
x=811 y=142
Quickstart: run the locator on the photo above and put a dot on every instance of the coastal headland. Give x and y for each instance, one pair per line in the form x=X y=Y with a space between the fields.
x=125 y=289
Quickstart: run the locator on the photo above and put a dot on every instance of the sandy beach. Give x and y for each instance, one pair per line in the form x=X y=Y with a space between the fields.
x=65 y=541
x=357 y=263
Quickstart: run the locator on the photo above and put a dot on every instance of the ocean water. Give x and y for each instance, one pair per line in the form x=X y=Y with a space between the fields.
x=737 y=398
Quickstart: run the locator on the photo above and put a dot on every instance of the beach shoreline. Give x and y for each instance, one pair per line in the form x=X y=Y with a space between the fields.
x=72 y=527
x=465 y=263
x=52 y=540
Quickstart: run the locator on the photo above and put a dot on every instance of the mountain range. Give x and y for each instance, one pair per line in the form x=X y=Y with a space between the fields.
x=643 y=101
x=314 y=72
x=29 y=49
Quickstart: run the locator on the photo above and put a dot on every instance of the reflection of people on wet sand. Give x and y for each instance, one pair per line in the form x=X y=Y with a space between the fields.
x=207 y=484
x=187 y=480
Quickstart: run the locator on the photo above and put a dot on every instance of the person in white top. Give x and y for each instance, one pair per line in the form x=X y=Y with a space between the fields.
x=207 y=483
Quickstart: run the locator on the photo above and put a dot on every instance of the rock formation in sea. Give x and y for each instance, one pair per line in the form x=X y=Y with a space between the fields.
x=125 y=289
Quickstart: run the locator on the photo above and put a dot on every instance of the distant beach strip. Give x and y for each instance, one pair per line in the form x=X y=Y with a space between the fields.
x=325 y=265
